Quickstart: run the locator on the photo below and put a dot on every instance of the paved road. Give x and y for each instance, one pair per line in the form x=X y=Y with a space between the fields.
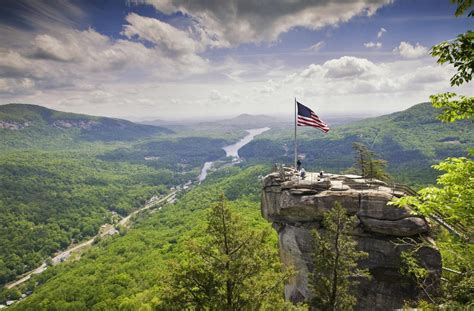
x=65 y=254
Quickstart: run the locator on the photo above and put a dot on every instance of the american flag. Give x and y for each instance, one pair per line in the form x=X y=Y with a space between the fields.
x=307 y=117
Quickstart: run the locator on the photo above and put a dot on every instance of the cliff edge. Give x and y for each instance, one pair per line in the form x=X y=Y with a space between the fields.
x=296 y=206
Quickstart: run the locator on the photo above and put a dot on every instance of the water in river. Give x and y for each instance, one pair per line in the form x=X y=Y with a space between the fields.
x=204 y=170
x=233 y=150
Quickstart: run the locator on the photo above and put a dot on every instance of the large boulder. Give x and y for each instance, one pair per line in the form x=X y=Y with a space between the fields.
x=297 y=206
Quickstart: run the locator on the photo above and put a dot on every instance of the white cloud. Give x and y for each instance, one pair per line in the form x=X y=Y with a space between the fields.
x=311 y=71
x=374 y=45
x=160 y=68
x=67 y=57
x=17 y=86
x=48 y=47
x=427 y=75
x=406 y=50
x=351 y=75
x=234 y=22
x=348 y=67
x=168 y=38
x=381 y=32
x=215 y=95
x=316 y=47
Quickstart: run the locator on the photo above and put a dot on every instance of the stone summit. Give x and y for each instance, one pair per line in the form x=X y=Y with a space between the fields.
x=296 y=206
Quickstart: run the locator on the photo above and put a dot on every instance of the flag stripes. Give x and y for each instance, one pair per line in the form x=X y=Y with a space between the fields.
x=307 y=117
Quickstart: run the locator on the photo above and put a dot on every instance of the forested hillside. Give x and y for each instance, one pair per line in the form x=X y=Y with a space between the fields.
x=64 y=175
x=128 y=272
x=23 y=126
x=48 y=200
x=411 y=141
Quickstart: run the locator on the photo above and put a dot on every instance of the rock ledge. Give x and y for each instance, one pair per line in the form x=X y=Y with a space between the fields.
x=296 y=206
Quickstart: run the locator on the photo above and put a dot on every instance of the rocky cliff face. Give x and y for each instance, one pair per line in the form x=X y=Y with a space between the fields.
x=296 y=206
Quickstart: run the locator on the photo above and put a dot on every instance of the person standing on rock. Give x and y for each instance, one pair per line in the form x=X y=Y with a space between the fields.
x=298 y=165
x=303 y=173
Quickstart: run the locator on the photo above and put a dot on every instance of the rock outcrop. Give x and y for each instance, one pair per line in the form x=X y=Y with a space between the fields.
x=296 y=206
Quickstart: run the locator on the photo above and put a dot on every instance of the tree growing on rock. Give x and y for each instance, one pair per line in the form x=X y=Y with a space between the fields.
x=335 y=260
x=367 y=165
x=231 y=267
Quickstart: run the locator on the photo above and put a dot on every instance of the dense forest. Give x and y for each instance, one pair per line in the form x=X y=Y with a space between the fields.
x=62 y=181
x=24 y=126
x=140 y=260
x=49 y=200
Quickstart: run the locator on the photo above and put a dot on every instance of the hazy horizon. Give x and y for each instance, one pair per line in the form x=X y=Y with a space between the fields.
x=197 y=119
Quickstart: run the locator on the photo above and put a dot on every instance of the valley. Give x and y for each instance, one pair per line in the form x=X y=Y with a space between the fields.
x=61 y=188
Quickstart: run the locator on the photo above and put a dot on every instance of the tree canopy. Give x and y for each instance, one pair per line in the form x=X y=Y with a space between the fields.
x=230 y=267
x=335 y=259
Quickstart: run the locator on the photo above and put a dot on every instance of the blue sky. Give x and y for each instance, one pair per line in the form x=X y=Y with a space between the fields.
x=159 y=58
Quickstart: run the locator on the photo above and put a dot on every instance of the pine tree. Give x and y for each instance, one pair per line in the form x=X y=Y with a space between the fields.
x=231 y=267
x=335 y=262
x=366 y=163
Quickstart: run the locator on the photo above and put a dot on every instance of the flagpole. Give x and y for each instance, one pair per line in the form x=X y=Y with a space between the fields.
x=296 y=152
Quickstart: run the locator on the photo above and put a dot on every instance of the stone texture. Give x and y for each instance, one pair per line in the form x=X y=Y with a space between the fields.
x=297 y=206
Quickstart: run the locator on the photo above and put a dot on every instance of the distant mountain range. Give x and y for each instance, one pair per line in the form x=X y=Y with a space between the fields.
x=23 y=125
x=410 y=140
x=246 y=121
x=241 y=122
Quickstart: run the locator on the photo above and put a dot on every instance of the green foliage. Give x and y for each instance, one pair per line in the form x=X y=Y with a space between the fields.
x=458 y=256
x=453 y=110
x=42 y=127
x=367 y=165
x=335 y=259
x=454 y=195
x=459 y=53
x=129 y=272
x=230 y=267
x=9 y=294
x=412 y=268
x=180 y=155
x=463 y=5
x=50 y=199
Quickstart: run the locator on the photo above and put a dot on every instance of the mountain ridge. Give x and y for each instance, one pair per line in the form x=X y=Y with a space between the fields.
x=29 y=121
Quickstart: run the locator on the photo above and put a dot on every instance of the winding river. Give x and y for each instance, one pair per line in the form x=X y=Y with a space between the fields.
x=233 y=150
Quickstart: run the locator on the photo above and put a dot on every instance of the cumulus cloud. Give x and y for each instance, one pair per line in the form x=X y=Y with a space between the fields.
x=373 y=45
x=48 y=47
x=406 y=50
x=352 y=75
x=348 y=67
x=381 y=32
x=59 y=59
x=168 y=38
x=147 y=70
x=311 y=71
x=427 y=75
x=234 y=22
